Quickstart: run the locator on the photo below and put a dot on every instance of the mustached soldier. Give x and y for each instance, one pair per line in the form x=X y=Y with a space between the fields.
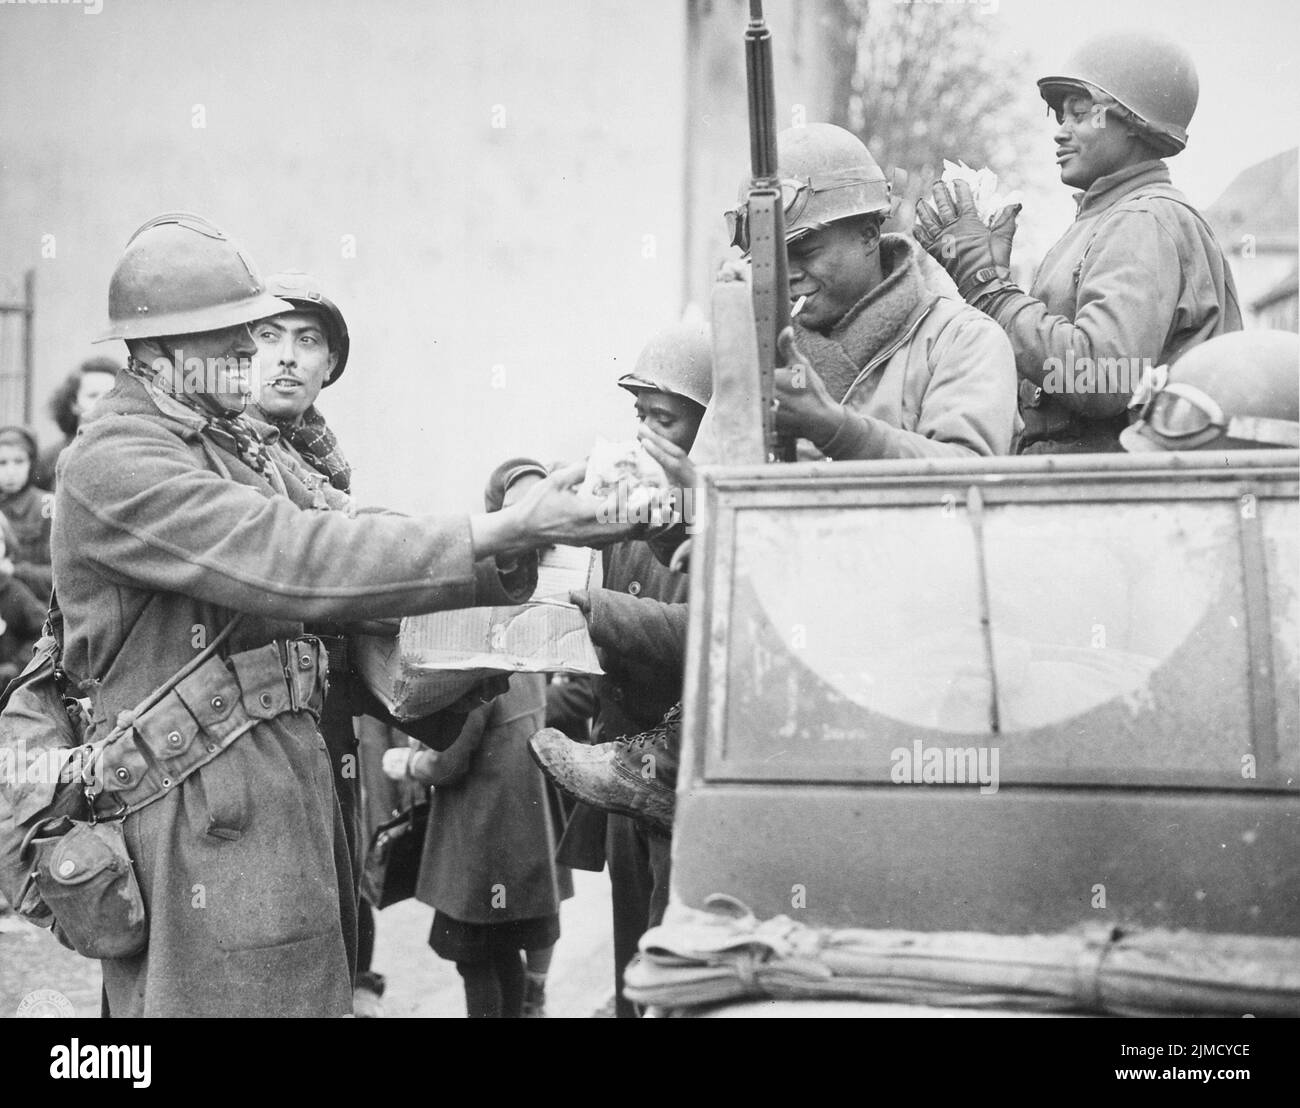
x=172 y=517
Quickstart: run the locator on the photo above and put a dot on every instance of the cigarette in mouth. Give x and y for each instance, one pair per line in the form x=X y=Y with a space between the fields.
x=798 y=307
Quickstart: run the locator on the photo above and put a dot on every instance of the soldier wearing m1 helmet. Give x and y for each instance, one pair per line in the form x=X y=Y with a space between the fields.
x=300 y=352
x=180 y=530
x=886 y=359
x=1235 y=392
x=1138 y=279
x=637 y=620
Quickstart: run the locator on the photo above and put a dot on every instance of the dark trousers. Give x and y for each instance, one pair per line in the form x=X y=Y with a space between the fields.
x=638 y=875
x=494 y=989
x=341 y=742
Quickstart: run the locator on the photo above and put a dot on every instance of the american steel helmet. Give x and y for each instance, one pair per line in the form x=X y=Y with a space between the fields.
x=1235 y=392
x=303 y=291
x=827 y=173
x=180 y=275
x=1149 y=75
x=678 y=359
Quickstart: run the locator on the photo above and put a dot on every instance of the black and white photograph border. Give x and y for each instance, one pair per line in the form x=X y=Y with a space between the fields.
x=509 y=218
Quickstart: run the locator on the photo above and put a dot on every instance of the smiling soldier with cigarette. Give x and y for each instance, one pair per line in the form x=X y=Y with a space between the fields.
x=886 y=361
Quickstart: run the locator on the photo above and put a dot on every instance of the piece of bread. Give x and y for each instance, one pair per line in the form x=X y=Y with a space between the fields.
x=624 y=470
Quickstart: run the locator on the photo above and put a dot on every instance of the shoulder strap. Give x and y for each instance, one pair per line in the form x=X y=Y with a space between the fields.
x=1150 y=192
x=54 y=629
x=188 y=668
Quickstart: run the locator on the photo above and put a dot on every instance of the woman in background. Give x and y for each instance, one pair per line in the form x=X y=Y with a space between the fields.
x=69 y=405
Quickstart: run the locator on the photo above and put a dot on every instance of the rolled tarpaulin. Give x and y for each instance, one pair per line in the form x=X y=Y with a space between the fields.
x=706 y=957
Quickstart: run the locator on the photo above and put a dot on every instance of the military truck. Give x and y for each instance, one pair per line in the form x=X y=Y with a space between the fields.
x=1001 y=734
x=1019 y=734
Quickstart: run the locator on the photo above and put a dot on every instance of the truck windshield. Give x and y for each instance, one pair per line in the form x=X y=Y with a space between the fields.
x=1116 y=645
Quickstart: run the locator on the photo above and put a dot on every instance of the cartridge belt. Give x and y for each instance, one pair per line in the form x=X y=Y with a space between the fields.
x=203 y=715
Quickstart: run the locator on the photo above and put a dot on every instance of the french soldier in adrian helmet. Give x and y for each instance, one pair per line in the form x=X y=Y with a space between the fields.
x=179 y=526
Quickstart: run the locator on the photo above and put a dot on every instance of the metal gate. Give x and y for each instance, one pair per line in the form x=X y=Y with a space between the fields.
x=16 y=348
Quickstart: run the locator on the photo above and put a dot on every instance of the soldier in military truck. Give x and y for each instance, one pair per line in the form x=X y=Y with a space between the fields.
x=1137 y=280
x=885 y=360
x=1236 y=392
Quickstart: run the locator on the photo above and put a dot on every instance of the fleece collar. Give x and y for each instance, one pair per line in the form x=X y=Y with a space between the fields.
x=879 y=319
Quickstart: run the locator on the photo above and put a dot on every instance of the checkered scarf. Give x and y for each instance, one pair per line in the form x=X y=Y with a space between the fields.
x=313 y=439
x=233 y=433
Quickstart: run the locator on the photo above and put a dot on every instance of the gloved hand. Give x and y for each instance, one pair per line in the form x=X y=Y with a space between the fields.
x=1001 y=233
x=951 y=230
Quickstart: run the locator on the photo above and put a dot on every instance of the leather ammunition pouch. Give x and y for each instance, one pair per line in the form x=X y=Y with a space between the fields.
x=84 y=874
x=80 y=871
x=202 y=715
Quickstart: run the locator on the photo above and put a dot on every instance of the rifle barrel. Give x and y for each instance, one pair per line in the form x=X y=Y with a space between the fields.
x=762 y=94
x=766 y=218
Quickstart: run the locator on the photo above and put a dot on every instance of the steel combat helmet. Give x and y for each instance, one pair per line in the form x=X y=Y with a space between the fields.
x=1151 y=77
x=827 y=173
x=678 y=359
x=180 y=275
x=1235 y=392
x=303 y=292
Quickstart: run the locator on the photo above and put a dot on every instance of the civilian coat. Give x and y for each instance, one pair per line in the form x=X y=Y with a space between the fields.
x=489 y=852
x=31 y=513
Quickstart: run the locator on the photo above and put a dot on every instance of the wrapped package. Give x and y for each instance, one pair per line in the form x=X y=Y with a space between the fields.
x=634 y=484
x=435 y=659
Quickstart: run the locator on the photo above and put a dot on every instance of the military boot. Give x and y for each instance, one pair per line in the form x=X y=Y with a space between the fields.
x=635 y=777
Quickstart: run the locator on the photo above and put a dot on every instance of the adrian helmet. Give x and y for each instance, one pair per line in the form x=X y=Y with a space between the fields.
x=180 y=275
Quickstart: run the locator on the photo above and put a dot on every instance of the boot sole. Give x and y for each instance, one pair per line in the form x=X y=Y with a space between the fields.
x=617 y=809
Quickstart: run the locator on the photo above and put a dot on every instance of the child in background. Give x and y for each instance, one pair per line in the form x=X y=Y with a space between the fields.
x=30 y=511
x=488 y=868
x=21 y=614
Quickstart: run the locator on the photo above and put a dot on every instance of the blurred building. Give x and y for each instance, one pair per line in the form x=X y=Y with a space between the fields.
x=505 y=197
x=1256 y=221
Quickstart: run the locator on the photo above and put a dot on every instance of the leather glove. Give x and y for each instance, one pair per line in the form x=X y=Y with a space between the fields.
x=952 y=232
x=1001 y=233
